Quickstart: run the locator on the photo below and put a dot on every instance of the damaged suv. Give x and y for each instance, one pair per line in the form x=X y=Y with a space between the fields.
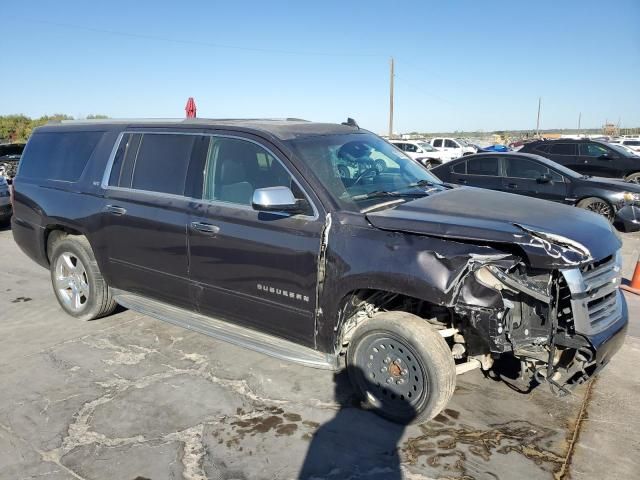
x=246 y=231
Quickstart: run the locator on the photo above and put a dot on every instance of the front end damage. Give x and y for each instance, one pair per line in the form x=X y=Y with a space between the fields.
x=563 y=324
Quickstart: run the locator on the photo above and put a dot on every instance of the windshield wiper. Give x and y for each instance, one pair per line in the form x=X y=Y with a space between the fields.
x=385 y=193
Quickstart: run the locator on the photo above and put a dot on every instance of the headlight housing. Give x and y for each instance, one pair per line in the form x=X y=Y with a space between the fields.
x=630 y=197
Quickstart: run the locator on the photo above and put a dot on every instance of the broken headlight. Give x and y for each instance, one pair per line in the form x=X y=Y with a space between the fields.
x=493 y=277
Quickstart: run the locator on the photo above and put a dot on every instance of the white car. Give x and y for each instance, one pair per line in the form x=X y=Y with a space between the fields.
x=454 y=147
x=422 y=151
x=629 y=143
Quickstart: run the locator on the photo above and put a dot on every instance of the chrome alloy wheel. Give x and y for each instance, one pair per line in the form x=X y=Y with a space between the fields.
x=71 y=281
x=601 y=208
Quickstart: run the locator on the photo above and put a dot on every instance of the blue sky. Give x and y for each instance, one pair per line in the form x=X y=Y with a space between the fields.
x=460 y=65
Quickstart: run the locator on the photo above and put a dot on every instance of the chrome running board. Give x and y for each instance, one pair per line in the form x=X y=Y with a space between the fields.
x=228 y=332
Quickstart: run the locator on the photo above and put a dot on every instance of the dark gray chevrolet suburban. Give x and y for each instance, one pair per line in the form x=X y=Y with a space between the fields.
x=246 y=231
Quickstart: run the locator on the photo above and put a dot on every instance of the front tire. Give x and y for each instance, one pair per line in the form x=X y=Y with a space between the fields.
x=77 y=282
x=599 y=206
x=401 y=367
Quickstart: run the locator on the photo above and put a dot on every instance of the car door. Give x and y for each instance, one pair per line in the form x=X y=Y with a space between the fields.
x=452 y=148
x=565 y=153
x=599 y=161
x=483 y=172
x=253 y=268
x=142 y=226
x=525 y=176
x=411 y=150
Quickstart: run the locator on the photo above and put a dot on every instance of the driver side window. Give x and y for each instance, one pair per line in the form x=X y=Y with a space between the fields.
x=592 y=150
x=235 y=168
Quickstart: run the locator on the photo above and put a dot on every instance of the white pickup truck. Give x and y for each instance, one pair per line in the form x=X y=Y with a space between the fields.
x=422 y=151
x=453 y=147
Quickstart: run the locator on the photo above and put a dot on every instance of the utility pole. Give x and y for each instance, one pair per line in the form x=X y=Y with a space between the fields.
x=579 y=119
x=538 y=121
x=391 y=101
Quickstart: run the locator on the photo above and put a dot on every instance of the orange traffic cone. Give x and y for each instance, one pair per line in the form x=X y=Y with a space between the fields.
x=634 y=286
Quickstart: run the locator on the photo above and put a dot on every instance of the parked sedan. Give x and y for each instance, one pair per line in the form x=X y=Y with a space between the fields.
x=589 y=157
x=536 y=176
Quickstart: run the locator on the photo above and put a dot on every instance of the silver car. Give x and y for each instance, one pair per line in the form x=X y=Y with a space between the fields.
x=5 y=200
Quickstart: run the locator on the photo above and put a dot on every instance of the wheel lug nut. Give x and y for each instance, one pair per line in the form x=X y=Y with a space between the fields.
x=389 y=380
x=400 y=382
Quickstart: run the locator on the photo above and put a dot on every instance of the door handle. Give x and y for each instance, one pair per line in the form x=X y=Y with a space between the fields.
x=512 y=185
x=205 y=228
x=462 y=181
x=115 y=210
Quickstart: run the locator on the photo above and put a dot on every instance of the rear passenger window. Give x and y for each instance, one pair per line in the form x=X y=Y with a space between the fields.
x=483 y=166
x=460 y=168
x=563 y=149
x=58 y=155
x=157 y=162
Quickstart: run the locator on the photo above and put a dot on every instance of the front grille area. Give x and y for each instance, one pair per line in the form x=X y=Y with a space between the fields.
x=594 y=296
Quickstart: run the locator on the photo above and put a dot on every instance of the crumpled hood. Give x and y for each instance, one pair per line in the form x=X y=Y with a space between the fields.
x=551 y=234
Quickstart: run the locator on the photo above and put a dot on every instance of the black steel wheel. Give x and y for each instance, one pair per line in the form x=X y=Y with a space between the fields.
x=401 y=367
x=599 y=206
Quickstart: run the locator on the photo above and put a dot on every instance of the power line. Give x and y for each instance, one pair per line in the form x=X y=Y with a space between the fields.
x=184 y=41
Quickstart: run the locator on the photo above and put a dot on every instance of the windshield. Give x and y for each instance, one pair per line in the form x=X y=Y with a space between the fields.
x=427 y=147
x=462 y=142
x=621 y=150
x=361 y=170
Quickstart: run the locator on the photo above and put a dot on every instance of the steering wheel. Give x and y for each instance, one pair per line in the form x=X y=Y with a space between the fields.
x=367 y=173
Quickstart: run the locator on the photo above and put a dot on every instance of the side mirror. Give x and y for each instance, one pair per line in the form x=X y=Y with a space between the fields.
x=544 y=178
x=277 y=199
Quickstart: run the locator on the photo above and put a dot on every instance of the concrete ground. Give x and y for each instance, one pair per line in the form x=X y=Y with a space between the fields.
x=129 y=397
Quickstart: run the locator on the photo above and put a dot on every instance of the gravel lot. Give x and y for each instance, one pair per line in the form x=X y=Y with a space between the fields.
x=130 y=397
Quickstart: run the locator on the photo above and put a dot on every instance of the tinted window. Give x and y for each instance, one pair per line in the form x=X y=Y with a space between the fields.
x=236 y=168
x=543 y=148
x=592 y=150
x=523 y=168
x=161 y=163
x=124 y=160
x=451 y=144
x=59 y=155
x=633 y=143
x=460 y=168
x=563 y=149
x=410 y=148
x=483 y=166
x=437 y=142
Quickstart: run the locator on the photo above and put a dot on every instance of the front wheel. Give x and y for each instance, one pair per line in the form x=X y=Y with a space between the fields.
x=401 y=367
x=597 y=205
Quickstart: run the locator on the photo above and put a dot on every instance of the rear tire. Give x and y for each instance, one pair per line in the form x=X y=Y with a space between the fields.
x=599 y=206
x=77 y=282
x=401 y=367
x=633 y=178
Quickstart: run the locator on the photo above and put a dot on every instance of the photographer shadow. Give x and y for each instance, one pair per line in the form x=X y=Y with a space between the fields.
x=355 y=442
